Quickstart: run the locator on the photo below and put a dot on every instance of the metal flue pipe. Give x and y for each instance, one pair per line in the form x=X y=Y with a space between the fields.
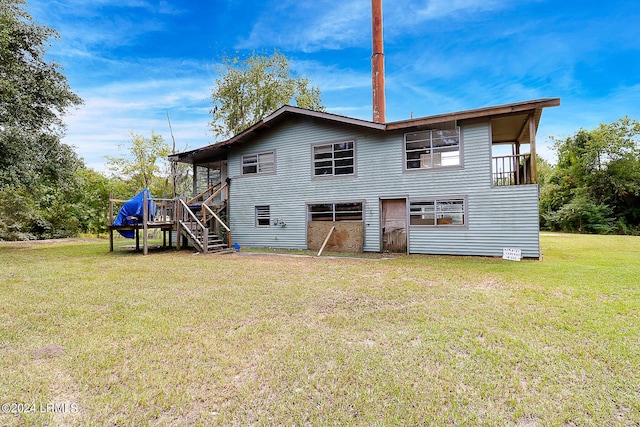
x=377 y=63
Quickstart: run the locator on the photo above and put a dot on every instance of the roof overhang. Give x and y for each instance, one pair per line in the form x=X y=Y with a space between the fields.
x=508 y=124
x=218 y=150
x=500 y=110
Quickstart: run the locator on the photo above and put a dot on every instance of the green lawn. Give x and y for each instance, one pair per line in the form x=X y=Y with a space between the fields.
x=181 y=339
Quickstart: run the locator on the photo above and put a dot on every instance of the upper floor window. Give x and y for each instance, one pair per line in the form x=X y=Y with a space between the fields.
x=334 y=159
x=259 y=163
x=432 y=148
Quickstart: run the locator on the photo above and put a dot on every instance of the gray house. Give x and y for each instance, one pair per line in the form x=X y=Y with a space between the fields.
x=462 y=183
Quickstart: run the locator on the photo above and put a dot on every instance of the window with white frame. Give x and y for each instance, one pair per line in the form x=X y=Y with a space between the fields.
x=259 y=163
x=439 y=212
x=432 y=148
x=335 y=212
x=263 y=216
x=334 y=159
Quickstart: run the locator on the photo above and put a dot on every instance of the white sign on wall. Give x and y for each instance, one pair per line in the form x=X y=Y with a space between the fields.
x=511 y=254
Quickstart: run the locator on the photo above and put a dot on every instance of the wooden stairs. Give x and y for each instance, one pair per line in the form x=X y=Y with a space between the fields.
x=200 y=222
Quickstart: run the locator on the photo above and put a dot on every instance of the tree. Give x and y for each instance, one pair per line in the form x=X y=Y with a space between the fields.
x=250 y=89
x=595 y=187
x=36 y=169
x=50 y=204
x=92 y=206
x=34 y=96
x=143 y=166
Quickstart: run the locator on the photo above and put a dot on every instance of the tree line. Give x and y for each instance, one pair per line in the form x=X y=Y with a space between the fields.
x=595 y=185
x=47 y=191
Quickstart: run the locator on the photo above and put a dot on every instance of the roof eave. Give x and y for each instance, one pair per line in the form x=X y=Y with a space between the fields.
x=281 y=113
x=476 y=113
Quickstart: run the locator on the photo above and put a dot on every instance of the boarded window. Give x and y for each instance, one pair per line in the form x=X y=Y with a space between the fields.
x=263 y=216
x=441 y=212
x=258 y=163
x=336 y=212
x=334 y=159
x=432 y=149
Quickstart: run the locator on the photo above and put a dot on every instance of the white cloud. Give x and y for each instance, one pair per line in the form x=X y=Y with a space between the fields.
x=87 y=26
x=331 y=78
x=436 y=9
x=325 y=24
x=112 y=111
x=167 y=8
x=310 y=26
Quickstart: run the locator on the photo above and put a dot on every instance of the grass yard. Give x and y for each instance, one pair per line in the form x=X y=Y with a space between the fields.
x=89 y=337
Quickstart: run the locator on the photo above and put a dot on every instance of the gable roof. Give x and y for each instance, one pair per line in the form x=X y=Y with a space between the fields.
x=507 y=117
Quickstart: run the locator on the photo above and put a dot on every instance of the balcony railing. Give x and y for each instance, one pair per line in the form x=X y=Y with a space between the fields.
x=512 y=170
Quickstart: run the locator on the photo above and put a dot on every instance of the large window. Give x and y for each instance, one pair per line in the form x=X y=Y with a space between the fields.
x=335 y=212
x=334 y=159
x=204 y=177
x=258 y=163
x=441 y=212
x=432 y=149
x=263 y=216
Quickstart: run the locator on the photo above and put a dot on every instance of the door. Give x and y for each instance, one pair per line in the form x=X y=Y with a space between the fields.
x=394 y=225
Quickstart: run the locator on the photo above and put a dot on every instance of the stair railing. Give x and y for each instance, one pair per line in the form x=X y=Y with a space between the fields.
x=198 y=196
x=206 y=209
x=199 y=234
x=214 y=194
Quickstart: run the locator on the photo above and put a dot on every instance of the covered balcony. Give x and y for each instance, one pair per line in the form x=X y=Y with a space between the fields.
x=513 y=148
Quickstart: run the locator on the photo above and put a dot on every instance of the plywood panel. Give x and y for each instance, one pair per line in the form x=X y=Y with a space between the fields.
x=347 y=237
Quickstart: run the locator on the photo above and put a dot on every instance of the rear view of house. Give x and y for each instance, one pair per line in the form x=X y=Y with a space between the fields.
x=462 y=183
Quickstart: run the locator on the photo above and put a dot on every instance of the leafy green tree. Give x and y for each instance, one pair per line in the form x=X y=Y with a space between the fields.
x=144 y=165
x=37 y=171
x=48 y=205
x=34 y=95
x=19 y=216
x=582 y=215
x=93 y=204
x=595 y=186
x=247 y=90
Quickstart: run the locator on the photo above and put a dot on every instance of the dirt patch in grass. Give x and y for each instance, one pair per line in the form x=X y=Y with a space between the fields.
x=48 y=351
x=69 y=240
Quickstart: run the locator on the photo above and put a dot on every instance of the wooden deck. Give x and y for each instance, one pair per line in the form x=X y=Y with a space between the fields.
x=202 y=229
x=165 y=227
x=164 y=219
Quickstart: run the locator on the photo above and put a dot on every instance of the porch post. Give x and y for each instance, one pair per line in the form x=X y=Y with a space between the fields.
x=195 y=179
x=110 y=222
x=145 y=224
x=532 y=149
x=178 y=213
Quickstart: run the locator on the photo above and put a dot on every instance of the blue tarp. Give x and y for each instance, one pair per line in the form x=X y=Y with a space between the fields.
x=131 y=212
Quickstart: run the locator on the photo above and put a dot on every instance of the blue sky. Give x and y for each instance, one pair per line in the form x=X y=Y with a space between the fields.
x=134 y=60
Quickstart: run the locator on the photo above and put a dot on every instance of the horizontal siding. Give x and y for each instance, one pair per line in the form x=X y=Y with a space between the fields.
x=497 y=217
x=493 y=224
